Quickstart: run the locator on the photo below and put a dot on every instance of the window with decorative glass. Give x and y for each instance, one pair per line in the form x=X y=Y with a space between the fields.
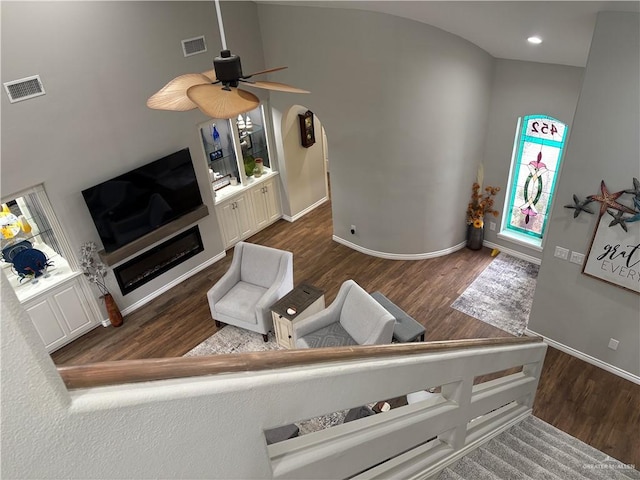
x=534 y=172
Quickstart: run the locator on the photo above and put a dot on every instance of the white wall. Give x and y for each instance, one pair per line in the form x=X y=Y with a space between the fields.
x=573 y=309
x=302 y=169
x=99 y=62
x=404 y=106
x=519 y=89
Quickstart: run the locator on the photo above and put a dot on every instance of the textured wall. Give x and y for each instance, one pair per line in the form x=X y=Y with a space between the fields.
x=404 y=106
x=569 y=307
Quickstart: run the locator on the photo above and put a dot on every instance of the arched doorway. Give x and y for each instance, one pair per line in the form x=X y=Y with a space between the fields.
x=305 y=168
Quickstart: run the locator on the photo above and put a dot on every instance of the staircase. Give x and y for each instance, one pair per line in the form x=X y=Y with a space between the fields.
x=533 y=449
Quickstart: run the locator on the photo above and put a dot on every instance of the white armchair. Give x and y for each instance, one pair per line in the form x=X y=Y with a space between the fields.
x=354 y=318
x=258 y=277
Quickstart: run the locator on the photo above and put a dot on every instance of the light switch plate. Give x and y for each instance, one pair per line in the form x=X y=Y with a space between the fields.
x=577 y=258
x=562 y=253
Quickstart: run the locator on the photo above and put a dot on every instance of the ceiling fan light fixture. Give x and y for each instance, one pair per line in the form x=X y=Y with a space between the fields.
x=535 y=40
x=228 y=68
x=203 y=90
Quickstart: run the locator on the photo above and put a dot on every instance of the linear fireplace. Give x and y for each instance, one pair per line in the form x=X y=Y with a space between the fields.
x=158 y=260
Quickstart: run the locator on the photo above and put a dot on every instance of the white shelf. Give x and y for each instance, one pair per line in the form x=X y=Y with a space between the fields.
x=233 y=190
x=57 y=273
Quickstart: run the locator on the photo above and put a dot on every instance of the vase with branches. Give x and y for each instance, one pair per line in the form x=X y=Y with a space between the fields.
x=481 y=204
x=95 y=271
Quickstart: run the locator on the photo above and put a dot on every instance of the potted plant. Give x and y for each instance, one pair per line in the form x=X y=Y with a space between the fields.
x=95 y=271
x=481 y=204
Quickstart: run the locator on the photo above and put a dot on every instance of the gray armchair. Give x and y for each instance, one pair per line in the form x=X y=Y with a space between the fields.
x=354 y=318
x=258 y=277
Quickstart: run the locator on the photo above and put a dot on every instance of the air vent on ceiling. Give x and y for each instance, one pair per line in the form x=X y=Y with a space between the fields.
x=193 y=46
x=24 y=89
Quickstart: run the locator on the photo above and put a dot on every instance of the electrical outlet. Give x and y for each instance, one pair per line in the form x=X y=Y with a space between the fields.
x=562 y=253
x=613 y=344
x=492 y=226
x=576 y=258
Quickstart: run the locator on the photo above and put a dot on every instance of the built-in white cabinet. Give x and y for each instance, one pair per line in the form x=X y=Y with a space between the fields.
x=247 y=209
x=244 y=180
x=42 y=270
x=62 y=314
x=235 y=219
x=266 y=203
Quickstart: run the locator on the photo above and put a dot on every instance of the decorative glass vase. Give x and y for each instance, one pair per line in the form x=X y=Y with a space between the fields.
x=475 y=237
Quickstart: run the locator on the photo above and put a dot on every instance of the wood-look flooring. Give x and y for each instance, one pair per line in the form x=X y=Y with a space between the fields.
x=587 y=402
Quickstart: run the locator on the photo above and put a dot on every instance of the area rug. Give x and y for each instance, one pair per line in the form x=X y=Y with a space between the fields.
x=502 y=294
x=232 y=339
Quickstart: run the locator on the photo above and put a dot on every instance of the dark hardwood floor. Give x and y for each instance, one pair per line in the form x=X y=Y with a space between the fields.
x=587 y=402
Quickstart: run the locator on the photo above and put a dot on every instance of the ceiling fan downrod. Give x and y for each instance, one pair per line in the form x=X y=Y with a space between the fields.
x=220 y=25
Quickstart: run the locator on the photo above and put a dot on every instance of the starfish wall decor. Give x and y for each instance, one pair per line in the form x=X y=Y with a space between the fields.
x=609 y=203
x=618 y=219
x=636 y=188
x=580 y=206
x=609 y=200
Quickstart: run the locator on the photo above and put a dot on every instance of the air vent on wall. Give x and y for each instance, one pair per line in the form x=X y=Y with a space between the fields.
x=193 y=46
x=24 y=89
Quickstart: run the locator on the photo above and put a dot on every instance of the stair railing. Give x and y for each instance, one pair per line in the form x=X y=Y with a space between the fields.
x=413 y=441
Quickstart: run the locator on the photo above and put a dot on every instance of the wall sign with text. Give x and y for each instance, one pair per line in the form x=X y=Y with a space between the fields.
x=614 y=255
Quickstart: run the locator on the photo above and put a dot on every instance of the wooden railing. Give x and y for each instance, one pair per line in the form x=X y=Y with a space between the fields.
x=131 y=371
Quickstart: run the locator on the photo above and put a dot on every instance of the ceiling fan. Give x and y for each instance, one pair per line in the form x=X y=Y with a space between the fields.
x=215 y=92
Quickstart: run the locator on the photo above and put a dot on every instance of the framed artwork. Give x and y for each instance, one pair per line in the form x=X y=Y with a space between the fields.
x=307 y=133
x=614 y=254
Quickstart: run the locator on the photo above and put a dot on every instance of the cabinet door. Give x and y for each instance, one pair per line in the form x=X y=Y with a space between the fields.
x=72 y=308
x=272 y=200
x=259 y=206
x=244 y=216
x=46 y=322
x=61 y=315
x=228 y=223
x=284 y=334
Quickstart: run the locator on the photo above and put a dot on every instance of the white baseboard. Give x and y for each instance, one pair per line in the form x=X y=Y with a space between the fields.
x=587 y=358
x=513 y=253
x=170 y=285
x=399 y=256
x=305 y=211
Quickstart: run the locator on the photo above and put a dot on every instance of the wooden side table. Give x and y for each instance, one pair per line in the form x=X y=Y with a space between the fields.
x=301 y=302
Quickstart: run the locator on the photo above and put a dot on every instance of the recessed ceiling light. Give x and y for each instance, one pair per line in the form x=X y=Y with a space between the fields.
x=535 y=40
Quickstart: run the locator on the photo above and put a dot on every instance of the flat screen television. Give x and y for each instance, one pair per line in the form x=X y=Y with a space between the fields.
x=133 y=204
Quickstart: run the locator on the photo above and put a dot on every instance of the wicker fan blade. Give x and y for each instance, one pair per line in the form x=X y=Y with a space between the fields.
x=280 y=87
x=173 y=96
x=211 y=75
x=212 y=100
x=261 y=72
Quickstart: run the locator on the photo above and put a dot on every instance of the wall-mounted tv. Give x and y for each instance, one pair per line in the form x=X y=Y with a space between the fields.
x=133 y=204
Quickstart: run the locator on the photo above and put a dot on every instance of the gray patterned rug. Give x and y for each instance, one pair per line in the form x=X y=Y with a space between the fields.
x=232 y=339
x=502 y=294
